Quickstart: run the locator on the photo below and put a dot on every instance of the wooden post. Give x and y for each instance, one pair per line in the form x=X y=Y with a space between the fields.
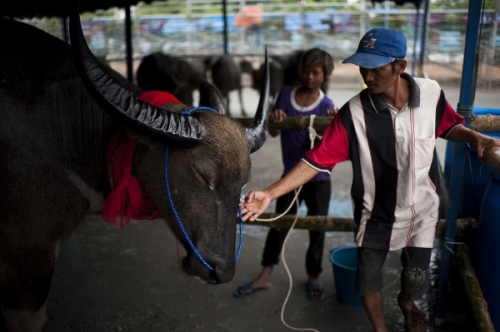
x=293 y=122
x=483 y=123
x=492 y=157
x=475 y=299
x=334 y=224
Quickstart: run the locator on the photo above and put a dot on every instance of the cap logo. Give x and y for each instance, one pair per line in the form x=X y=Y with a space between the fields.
x=370 y=43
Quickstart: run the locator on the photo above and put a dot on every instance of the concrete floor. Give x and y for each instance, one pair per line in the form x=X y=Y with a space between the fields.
x=112 y=280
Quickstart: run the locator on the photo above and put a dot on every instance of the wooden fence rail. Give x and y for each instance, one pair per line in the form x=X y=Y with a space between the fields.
x=333 y=224
x=483 y=123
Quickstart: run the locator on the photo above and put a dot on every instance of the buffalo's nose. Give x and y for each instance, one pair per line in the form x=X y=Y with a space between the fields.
x=220 y=272
x=222 y=276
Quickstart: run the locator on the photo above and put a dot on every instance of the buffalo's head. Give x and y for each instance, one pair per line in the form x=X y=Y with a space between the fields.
x=208 y=159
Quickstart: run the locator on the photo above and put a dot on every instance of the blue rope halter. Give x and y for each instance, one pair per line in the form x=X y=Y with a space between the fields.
x=174 y=210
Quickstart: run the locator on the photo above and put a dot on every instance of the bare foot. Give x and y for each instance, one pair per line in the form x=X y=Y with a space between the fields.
x=414 y=318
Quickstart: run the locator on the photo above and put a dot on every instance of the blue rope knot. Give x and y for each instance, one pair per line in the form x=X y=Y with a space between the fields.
x=174 y=210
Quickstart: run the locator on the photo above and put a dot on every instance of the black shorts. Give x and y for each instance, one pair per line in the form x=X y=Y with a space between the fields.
x=414 y=277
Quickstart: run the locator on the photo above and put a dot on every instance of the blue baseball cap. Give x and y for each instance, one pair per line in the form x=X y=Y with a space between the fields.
x=379 y=47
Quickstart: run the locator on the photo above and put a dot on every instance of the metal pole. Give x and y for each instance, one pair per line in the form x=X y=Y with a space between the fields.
x=224 y=18
x=128 y=40
x=189 y=33
x=302 y=23
x=465 y=108
x=423 y=39
x=386 y=15
x=493 y=41
x=65 y=30
x=362 y=31
x=415 y=40
x=362 y=20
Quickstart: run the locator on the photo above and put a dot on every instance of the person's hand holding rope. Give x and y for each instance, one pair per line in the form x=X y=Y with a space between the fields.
x=254 y=205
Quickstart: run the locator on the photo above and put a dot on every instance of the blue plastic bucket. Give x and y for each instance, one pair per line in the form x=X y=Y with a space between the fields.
x=345 y=264
x=488 y=249
x=475 y=177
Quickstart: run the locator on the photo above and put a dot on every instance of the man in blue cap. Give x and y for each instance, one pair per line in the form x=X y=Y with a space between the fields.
x=389 y=133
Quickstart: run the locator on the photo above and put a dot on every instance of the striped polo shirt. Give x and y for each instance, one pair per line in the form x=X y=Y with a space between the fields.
x=394 y=200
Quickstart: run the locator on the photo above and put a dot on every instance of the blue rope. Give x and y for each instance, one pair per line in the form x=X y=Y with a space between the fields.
x=181 y=226
x=176 y=215
x=241 y=234
x=199 y=108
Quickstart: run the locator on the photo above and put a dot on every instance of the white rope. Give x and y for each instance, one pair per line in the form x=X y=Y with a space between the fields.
x=297 y=192
x=451 y=242
x=312 y=137
x=312 y=132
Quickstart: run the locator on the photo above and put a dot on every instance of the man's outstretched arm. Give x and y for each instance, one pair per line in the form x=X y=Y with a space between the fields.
x=257 y=201
x=479 y=141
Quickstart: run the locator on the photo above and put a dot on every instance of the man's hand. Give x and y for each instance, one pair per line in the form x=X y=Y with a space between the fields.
x=254 y=205
x=484 y=142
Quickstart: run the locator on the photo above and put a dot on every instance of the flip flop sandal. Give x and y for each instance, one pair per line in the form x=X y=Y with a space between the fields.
x=314 y=292
x=247 y=290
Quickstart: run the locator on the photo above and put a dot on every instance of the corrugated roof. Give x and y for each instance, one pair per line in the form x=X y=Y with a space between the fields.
x=57 y=8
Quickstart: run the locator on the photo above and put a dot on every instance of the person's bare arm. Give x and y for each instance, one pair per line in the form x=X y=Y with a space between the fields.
x=257 y=201
x=477 y=140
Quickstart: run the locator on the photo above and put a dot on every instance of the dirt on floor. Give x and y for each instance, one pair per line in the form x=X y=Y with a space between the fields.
x=109 y=279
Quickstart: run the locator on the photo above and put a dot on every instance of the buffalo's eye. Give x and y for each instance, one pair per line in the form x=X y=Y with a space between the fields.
x=202 y=176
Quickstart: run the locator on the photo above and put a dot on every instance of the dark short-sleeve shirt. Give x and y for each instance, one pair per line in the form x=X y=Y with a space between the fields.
x=295 y=143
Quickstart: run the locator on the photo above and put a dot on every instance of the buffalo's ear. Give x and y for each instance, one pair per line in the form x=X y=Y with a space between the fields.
x=210 y=96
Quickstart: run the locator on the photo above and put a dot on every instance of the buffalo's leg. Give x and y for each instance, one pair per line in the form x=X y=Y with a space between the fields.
x=27 y=262
x=25 y=320
x=25 y=280
x=39 y=206
x=228 y=111
x=240 y=94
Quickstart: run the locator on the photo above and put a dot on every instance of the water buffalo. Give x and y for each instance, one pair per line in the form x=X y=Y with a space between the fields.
x=226 y=76
x=276 y=70
x=283 y=71
x=59 y=111
x=180 y=77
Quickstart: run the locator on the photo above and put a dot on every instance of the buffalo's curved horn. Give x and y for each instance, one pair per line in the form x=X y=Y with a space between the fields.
x=121 y=104
x=257 y=133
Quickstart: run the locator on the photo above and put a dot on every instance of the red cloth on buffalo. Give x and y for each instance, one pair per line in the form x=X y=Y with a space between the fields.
x=158 y=98
x=125 y=200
